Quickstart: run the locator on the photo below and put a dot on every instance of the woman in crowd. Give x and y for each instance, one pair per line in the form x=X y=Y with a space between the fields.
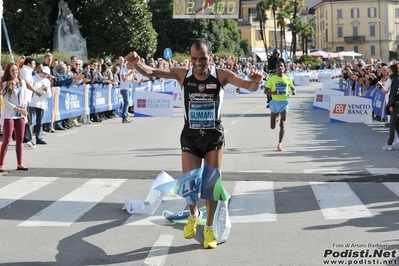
x=14 y=112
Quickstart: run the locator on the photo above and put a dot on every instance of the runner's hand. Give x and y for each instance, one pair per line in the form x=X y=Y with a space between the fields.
x=255 y=75
x=132 y=58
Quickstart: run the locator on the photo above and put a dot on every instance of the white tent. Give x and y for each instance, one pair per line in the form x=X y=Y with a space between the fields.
x=349 y=53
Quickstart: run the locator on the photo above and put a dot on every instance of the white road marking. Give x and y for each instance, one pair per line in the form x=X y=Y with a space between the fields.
x=21 y=188
x=320 y=171
x=260 y=195
x=256 y=171
x=393 y=186
x=159 y=251
x=378 y=171
x=338 y=201
x=74 y=205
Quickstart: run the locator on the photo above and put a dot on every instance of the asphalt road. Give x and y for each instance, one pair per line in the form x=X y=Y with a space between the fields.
x=333 y=185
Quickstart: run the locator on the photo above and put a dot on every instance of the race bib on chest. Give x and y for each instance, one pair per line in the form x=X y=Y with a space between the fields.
x=281 y=88
x=201 y=114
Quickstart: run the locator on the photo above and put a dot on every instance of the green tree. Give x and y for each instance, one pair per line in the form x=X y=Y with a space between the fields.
x=295 y=22
x=117 y=27
x=28 y=26
x=282 y=24
x=306 y=32
x=261 y=8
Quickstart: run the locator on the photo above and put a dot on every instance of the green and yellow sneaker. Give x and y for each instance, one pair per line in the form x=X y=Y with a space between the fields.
x=209 y=238
x=190 y=229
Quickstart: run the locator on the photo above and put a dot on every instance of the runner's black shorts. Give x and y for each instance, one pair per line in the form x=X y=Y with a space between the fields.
x=198 y=142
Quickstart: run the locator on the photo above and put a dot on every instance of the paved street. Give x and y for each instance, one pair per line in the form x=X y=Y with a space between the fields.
x=333 y=191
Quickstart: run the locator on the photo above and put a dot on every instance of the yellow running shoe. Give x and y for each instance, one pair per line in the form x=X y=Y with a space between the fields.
x=190 y=229
x=209 y=238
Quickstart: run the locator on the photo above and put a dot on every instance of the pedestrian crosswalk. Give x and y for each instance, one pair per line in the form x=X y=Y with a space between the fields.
x=252 y=201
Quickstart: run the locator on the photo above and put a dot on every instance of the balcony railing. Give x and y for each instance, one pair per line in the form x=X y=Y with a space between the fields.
x=247 y=21
x=355 y=39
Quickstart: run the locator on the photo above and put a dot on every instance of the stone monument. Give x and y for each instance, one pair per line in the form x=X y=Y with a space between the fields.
x=67 y=38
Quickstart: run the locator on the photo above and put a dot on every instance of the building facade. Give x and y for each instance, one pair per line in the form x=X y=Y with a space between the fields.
x=369 y=27
x=250 y=30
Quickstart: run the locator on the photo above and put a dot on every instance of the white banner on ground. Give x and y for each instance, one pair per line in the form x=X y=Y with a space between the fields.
x=321 y=98
x=301 y=80
x=153 y=104
x=177 y=96
x=154 y=198
x=350 y=109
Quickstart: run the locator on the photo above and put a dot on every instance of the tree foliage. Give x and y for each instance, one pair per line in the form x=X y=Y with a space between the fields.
x=117 y=27
x=110 y=27
x=28 y=27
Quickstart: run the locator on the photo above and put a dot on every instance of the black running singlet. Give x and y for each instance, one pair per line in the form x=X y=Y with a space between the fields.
x=202 y=100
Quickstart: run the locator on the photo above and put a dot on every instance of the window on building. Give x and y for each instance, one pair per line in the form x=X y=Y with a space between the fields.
x=339 y=13
x=396 y=12
x=339 y=49
x=355 y=31
x=354 y=12
x=356 y=49
x=371 y=12
x=251 y=12
x=259 y=35
x=372 y=49
x=326 y=35
x=326 y=15
x=340 y=30
x=372 y=30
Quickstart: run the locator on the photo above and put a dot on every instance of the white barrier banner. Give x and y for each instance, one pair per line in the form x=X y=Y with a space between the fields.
x=323 y=77
x=350 y=109
x=301 y=80
x=177 y=96
x=330 y=85
x=157 y=104
x=230 y=91
x=321 y=98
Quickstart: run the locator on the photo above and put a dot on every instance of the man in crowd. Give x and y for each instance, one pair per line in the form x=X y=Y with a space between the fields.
x=39 y=103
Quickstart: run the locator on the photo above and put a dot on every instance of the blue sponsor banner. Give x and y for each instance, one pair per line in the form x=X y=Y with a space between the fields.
x=379 y=103
x=369 y=92
x=99 y=98
x=72 y=101
x=48 y=112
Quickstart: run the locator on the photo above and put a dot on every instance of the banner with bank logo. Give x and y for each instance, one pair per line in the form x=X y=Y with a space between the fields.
x=321 y=99
x=350 y=109
x=147 y=104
